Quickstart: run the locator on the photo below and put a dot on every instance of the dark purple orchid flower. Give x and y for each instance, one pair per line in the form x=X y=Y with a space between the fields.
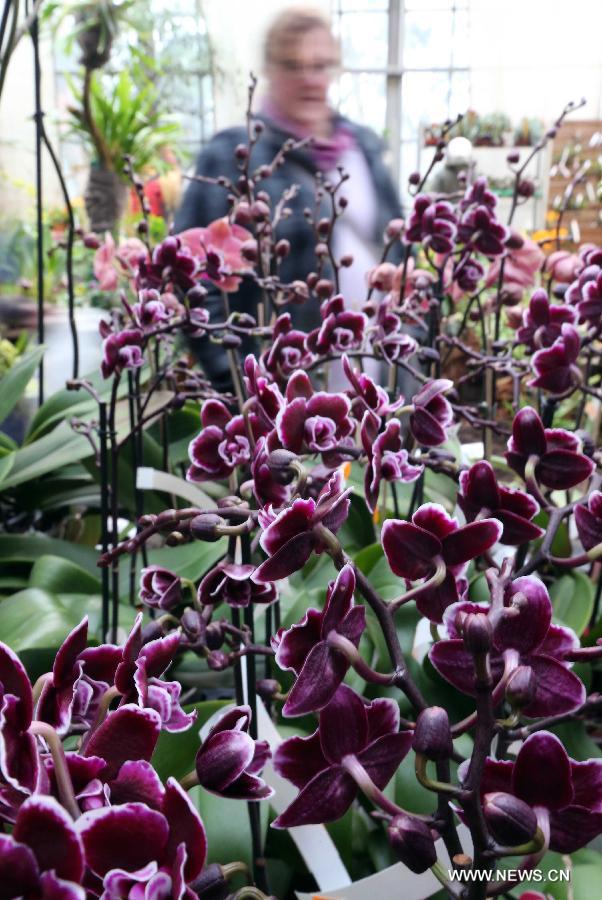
x=305 y=650
x=229 y=761
x=586 y=293
x=138 y=677
x=268 y=400
x=525 y=638
x=315 y=422
x=342 y=329
x=231 y=583
x=432 y=413
x=266 y=488
x=288 y=536
x=223 y=443
x=478 y=194
x=171 y=264
x=588 y=520
x=559 y=462
x=128 y=733
x=160 y=588
x=19 y=761
x=432 y=545
x=387 y=459
x=43 y=857
x=352 y=736
x=432 y=223
x=480 y=230
x=467 y=273
x=556 y=366
x=365 y=394
x=388 y=336
x=86 y=774
x=122 y=351
x=566 y=795
x=543 y=321
x=481 y=494
x=80 y=676
x=150 y=310
x=154 y=848
x=288 y=351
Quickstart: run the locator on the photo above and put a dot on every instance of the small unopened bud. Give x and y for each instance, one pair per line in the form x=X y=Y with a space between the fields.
x=394 y=229
x=196 y=295
x=323 y=227
x=242 y=216
x=412 y=843
x=525 y=188
x=312 y=280
x=142 y=227
x=432 y=735
x=231 y=341
x=267 y=687
x=214 y=635
x=513 y=157
x=346 y=260
x=515 y=240
x=203 y=527
x=438 y=156
x=192 y=624
x=248 y=250
x=343 y=202
x=91 y=241
x=245 y=320
x=510 y=820
x=260 y=210
x=217 y=660
x=324 y=287
x=414 y=178
x=299 y=290
x=241 y=152
x=477 y=633
x=279 y=462
x=520 y=689
x=211 y=883
x=282 y=248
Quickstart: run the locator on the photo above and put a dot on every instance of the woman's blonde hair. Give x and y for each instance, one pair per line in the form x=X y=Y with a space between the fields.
x=292 y=23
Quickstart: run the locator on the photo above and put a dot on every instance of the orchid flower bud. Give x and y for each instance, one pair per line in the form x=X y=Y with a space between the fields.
x=412 y=843
x=432 y=736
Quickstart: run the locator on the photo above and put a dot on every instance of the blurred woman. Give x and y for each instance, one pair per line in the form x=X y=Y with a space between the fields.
x=300 y=57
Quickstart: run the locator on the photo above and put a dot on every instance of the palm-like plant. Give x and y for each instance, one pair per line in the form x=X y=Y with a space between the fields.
x=117 y=119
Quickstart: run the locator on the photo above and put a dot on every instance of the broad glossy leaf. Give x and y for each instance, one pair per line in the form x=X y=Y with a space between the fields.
x=18 y=548
x=573 y=600
x=15 y=381
x=61 y=576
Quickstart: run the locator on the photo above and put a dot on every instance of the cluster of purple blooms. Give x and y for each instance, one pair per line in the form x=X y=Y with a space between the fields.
x=96 y=820
x=285 y=446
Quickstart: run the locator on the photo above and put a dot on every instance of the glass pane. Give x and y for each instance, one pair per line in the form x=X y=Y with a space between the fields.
x=362 y=97
x=427 y=39
x=425 y=5
x=344 y=6
x=460 y=41
x=364 y=40
x=425 y=99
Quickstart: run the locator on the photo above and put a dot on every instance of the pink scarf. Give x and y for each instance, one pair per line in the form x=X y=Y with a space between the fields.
x=326 y=153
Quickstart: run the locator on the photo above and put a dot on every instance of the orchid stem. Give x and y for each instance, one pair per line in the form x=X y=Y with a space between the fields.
x=61 y=770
